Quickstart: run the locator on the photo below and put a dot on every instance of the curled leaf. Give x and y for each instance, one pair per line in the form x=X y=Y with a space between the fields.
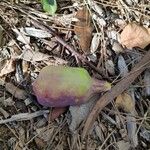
x=134 y=35
x=125 y=102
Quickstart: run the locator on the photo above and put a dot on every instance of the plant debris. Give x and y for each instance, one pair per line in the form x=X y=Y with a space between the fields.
x=134 y=35
x=83 y=29
x=110 y=40
x=116 y=90
x=125 y=102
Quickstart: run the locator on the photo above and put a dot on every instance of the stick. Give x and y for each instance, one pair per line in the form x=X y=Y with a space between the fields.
x=24 y=116
x=60 y=40
x=65 y=44
x=115 y=91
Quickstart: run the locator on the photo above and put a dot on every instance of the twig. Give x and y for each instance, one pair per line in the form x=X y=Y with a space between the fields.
x=65 y=44
x=24 y=116
x=60 y=40
x=100 y=148
x=115 y=91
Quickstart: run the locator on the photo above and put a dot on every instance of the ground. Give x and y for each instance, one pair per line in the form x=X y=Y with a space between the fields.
x=108 y=39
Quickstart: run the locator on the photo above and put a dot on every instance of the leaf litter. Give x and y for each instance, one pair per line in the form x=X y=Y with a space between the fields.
x=83 y=29
x=107 y=38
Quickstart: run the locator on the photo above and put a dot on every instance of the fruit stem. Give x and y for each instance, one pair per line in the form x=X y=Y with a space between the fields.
x=100 y=86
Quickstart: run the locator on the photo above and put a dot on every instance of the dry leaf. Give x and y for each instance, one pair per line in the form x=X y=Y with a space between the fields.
x=131 y=123
x=79 y=113
x=98 y=9
x=125 y=102
x=83 y=29
x=33 y=56
x=37 y=32
x=8 y=67
x=99 y=130
x=15 y=91
x=95 y=42
x=21 y=36
x=113 y=35
x=56 y=112
x=134 y=35
x=117 y=47
x=122 y=66
x=132 y=128
x=147 y=82
x=110 y=67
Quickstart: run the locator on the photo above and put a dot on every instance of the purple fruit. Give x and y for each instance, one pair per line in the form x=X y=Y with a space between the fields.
x=59 y=86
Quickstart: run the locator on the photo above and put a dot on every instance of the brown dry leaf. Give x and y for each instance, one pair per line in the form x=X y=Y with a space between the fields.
x=83 y=29
x=125 y=102
x=134 y=35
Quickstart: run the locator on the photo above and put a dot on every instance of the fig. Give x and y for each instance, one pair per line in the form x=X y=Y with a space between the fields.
x=60 y=86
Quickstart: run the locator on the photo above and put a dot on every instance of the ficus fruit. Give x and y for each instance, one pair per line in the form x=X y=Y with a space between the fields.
x=59 y=86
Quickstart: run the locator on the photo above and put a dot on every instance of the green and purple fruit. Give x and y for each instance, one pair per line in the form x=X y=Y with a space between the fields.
x=59 y=86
